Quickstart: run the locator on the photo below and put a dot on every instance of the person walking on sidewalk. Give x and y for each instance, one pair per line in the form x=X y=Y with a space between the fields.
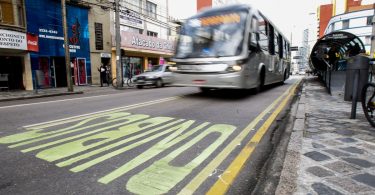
x=103 y=75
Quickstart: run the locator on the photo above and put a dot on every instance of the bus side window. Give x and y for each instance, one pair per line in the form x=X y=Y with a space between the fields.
x=277 y=45
x=254 y=35
x=281 y=47
x=263 y=31
x=271 y=42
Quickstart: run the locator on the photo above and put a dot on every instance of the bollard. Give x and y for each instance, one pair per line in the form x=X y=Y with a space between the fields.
x=356 y=79
x=36 y=82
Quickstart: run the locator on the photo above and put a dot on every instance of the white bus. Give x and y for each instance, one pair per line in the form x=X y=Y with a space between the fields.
x=234 y=47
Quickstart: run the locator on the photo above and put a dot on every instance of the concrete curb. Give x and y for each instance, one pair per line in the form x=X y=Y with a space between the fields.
x=288 y=178
x=40 y=96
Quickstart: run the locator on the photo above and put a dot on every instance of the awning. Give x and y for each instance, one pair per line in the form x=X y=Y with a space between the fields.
x=337 y=45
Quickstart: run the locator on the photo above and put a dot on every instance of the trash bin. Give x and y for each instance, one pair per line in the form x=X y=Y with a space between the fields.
x=358 y=64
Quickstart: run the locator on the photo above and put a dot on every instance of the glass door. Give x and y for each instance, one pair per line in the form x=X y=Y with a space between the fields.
x=82 y=76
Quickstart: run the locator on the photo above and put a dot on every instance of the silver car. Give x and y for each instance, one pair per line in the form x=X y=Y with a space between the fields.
x=158 y=76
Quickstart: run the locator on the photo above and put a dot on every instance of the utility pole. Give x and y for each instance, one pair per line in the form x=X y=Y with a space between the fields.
x=66 y=47
x=119 y=77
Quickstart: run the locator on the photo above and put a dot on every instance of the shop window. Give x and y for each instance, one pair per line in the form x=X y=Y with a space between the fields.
x=151 y=9
x=152 y=34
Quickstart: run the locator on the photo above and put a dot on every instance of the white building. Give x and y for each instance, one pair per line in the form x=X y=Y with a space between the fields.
x=144 y=33
x=357 y=23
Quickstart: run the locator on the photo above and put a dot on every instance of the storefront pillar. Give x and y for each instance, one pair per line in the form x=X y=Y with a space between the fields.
x=145 y=63
x=113 y=64
x=27 y=74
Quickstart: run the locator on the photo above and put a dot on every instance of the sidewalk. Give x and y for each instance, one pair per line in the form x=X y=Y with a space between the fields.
x=328 y=153
x=23 y=94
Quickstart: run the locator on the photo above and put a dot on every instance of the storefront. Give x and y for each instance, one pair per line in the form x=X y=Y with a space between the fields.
x=48 y=63
x=14 y=57
x=140 y=53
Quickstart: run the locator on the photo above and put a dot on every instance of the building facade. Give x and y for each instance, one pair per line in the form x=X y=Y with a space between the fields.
x=144 y=33
x=15 y=44
x=48 y=67
x=99 y=17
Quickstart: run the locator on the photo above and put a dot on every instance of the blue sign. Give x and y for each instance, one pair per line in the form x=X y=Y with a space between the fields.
x=44 y=19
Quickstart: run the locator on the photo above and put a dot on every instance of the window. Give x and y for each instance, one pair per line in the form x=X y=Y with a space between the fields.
x=271 y=38
x=338 y=25
x=253 y=31
x=345 y=24
x=358 y=22
x=280 y=43
x=369 y=20
x=150 y=9
x=152 y=34
x=99 y=36
x=134 y=5
x=6 y=12
x=263 y=31
x=276 y=41
x=11 y=12
x=131 y=29
x=329 y=29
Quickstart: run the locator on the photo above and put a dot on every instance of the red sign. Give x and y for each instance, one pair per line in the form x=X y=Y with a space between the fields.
x=32 y=42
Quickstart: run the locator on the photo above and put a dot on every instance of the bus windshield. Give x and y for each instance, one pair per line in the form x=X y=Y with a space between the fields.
x=217 y=35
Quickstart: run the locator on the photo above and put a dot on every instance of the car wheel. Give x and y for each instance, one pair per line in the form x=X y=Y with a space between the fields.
x=159 y=83
x=139 y=86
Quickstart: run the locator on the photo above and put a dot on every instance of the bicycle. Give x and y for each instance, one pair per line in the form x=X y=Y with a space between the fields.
x=129 y=82
x=368 y=98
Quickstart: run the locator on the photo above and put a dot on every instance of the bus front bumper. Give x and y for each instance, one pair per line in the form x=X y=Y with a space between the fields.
x=230 y=81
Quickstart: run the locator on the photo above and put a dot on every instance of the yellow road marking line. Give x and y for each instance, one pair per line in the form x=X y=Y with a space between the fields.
x=209 y=169
x=226 y=179
x=103 y=112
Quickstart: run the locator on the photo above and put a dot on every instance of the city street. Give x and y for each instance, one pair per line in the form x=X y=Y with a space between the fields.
x=152 y=141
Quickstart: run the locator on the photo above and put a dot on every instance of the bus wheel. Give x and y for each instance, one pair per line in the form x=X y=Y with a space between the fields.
x=260 y=86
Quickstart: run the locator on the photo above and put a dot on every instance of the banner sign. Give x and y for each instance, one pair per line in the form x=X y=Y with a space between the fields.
x=138 y=41
x=12 y=40
x=32 y=42
x=50 y=32
x=131 y=18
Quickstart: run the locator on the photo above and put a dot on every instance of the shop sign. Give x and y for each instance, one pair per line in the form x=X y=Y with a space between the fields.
x=139 y=41
x=12 y=40
x=32 y=42
x=131 y=18
x=45 y=33
x=105 y=55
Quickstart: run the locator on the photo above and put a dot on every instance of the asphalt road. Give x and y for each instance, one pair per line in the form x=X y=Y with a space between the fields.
x=153 y=141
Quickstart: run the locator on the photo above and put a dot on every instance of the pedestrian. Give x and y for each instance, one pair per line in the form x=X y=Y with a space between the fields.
x=103 y=74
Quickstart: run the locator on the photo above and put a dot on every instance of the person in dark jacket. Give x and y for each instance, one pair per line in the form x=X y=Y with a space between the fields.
x=103 y=75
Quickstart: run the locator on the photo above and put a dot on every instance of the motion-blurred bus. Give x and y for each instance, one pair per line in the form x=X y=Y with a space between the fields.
x=234 y=47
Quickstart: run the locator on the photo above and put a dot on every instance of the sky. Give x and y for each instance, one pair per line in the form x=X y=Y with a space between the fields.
x=290 y=16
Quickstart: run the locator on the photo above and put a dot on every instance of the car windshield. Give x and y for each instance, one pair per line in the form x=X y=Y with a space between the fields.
x=212 y=36
x=157 y=68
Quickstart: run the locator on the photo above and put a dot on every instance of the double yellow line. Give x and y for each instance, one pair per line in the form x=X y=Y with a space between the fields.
x=228 y=176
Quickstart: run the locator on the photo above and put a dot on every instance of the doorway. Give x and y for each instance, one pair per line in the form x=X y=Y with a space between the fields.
x=13 y=67
x=60 y=71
